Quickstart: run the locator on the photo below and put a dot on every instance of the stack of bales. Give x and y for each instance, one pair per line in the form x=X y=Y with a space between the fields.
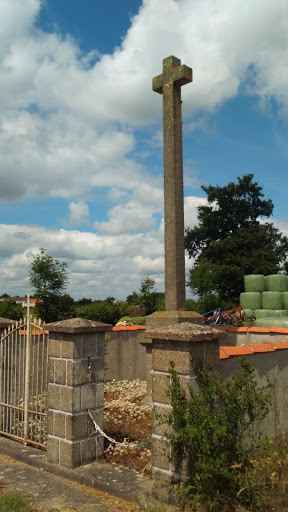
x=266 y=297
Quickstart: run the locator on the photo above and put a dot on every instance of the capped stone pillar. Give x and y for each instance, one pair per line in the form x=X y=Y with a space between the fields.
x=75 y=384
x=4 y=323
x=183 y=344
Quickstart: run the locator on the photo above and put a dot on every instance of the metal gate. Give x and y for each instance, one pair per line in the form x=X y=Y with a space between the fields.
x=23 y=382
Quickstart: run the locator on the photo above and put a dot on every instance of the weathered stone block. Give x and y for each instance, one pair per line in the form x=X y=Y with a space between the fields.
x=89 y=347
x=77 y=372
x=99 y=447
x=88 y=396
x=100 y=345
x=71 y=348
x=70 y=454
x=98 y=369
x=53 y=450
x=60 y=371
x=51 y=374
x=53 y=346
x=160 y=383
x=100 y=395
x=59 y=424
x=50 y=423
x=77 y=426
x=98 y=417
x=53 y=396
x=69 y=399
x=163 y=485
x=157 y=428
x=160 y=454
x=161 y=360
x=88 y=450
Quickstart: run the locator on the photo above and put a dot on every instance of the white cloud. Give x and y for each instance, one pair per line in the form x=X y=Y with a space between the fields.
x=190 y=209
x=58 y=111
x=79 y=213
x=67 y=126
x=99 y=265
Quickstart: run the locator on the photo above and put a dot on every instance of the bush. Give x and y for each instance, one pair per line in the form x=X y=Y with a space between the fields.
x=9 y=309
x=102 y=311
x=212 y=432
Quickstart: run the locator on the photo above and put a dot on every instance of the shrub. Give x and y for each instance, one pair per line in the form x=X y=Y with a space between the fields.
x=212 y=432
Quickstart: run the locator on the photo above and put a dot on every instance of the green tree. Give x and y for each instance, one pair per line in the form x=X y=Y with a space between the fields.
x=48 y=277
x=146 y=297
x=9 y=309
x=231 y=240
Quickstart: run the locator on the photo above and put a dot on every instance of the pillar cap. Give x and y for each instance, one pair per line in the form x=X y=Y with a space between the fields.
x=186 y=332
x=5 y=322
x=78 y=325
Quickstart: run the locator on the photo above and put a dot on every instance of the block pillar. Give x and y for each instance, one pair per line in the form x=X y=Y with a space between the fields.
x=184 y=344
x=75 y=384
x=155 y=321
x=4 y=324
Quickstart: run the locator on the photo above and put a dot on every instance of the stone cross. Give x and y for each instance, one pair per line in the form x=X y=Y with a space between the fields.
x=169 y=84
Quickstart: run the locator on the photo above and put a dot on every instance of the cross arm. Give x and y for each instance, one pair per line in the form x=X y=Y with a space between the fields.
x=180 y=75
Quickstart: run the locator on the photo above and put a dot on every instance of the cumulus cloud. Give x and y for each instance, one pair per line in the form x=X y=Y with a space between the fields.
x=99 y=265
x=59 y=107
x=69 y=121
x=79 y=213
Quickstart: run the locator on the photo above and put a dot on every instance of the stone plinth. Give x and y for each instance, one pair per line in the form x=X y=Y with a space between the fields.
x=184 y=344
x=4 y=323
x=75 y=384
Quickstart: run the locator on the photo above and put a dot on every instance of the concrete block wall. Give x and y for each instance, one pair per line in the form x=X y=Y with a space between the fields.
x=75 y=385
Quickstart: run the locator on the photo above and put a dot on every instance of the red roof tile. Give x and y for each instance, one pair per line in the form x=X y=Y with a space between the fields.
x=128 y=327
x=252 y=348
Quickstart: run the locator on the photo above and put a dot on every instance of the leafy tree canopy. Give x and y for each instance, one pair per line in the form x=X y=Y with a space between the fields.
x=231 y=240
x=48 y=277
x=146 y=297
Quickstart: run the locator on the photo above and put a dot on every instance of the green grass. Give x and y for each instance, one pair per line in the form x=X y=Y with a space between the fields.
x=14 y=502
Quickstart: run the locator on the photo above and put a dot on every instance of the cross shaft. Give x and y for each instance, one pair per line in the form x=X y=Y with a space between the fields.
x=169 y=84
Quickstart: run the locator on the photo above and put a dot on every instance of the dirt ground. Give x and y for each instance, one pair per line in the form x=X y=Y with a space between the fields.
x=51 y=493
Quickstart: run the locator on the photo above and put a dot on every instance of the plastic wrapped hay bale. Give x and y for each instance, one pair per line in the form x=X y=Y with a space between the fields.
x=277 y=283
x=272 y=300
x=285 y=300
x=272 y=322
x=254 y=283
x=266 y=313
x=250 y=300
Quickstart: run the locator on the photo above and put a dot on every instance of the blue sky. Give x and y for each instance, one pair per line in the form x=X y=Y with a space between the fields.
x=81 y=130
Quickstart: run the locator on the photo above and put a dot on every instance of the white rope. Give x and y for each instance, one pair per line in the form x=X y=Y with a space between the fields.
x=98 y=429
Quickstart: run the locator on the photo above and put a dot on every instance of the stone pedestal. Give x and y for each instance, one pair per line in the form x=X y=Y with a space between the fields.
x=75 y=384
x=4 y=323
x=183 y=344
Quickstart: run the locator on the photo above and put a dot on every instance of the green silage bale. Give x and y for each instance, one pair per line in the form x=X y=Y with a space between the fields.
x=272 y=322
x=250 y=300
x=277 y=283
x=285 y=300
x=254 y=283
x=266 y=313
x=272 y=300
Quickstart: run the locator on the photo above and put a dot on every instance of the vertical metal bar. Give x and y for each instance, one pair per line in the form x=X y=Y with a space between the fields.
x=1 y=383
x=38 y=395
x=24 y=326
x=27 y=372
x=8 y=380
